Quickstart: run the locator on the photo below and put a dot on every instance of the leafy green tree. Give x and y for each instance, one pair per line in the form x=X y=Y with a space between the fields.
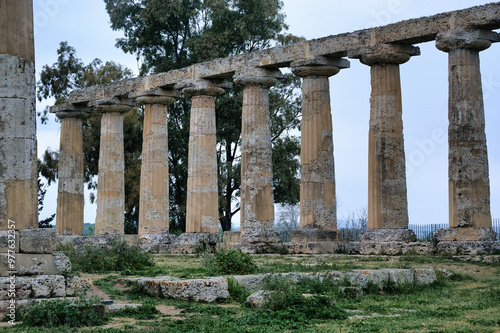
x=167 y=35
x=57 y=81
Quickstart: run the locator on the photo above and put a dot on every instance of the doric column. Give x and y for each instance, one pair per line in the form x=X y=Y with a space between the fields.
x=257 y=204
x=70 y=195
x=469 y=185
x=111 y=179
x=18 y=159
x=202 y=209
x=317 y=188
x=154 y=199
x=387 y=194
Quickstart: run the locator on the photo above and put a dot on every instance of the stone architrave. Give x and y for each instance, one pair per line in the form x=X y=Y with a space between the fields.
x=202 y=209
x=257 y=204
x=154 y=198
x=469 y=183
x=318 y=209
x=70 y=171
x=18 y=157
x=110 y=217
x=387 y=194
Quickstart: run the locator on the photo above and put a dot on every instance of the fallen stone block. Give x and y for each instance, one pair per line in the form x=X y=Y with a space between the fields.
x=199 y=290
x=387 y=235
x=401 y=276
x=257 y=299
x=76 y=285
x=424 y=276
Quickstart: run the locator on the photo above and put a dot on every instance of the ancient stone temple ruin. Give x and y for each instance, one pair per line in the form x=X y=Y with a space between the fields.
x=463 y=34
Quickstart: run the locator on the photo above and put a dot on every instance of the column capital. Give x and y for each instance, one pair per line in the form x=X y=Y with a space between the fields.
x=204 y=87
x=260 y=77
x=156 y=96
x=384 y=54
x=474 y=39
x=70 y=110
x=114 y=104
x=319 y=66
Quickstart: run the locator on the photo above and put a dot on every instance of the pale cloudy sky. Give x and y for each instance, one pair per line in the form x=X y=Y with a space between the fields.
x=85 y=25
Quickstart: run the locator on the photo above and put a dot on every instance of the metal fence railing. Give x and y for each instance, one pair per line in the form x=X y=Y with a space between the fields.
x=425 y=231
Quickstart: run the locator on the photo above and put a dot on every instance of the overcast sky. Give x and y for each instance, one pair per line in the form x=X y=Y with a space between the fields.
x=85 y=25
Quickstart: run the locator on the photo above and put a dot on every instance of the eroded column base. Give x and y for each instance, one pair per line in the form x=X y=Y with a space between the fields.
x=253 y=242
x=387 y=235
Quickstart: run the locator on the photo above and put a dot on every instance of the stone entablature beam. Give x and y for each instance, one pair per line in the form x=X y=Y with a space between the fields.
x=468 y=174
x=154 y=197
x=70 y=170
x=387 y=192
x=318 y=209
x=406 y=32
x=202 y=209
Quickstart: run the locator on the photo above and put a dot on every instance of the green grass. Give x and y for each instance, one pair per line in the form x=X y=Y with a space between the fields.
x=468 y=302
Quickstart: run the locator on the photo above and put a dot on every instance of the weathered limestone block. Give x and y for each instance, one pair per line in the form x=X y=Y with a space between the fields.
x=202 y=209
x=70 y=196
x=426 y=276
x=193 y=243
x=6 y=238
x=252 y=283
x=465 y=234
x=387 y=235
x=467 y=247
x=312 y=248
x=390 y=248
x=111 y=308
x=40 y=286
x=387 y=194
x=351 y=292
x=153 y=242
x=313 y=235
x=317 y=189
x=402 y=276
x=199 y=290
x=257 y=299
x=40 y=240
x=257 y=205
x=37 y=264
x=154 y=198
x=469 y=183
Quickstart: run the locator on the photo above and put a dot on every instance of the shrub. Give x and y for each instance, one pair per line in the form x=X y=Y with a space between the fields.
x=233 y=262
x=144 y=312
x=62 y=312
x=118 y=256
x=237 y=293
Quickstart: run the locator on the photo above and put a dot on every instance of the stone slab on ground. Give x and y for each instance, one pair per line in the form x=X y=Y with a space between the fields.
x=390 y=248
x=9 y=240
x=40 y=240
x=36 y=264
x=111 y=308
x=465 y=234
x=468 y=248
x=199 y=290
x=360 y=278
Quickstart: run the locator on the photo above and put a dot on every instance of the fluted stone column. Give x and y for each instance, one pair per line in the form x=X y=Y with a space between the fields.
x=387 y=194
x=111 y=179
x=70 y=195
x=317 y=188
x=18 y=158
x=469 y=185
x=202 y=209
x=154 y=198
x=257 y=204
